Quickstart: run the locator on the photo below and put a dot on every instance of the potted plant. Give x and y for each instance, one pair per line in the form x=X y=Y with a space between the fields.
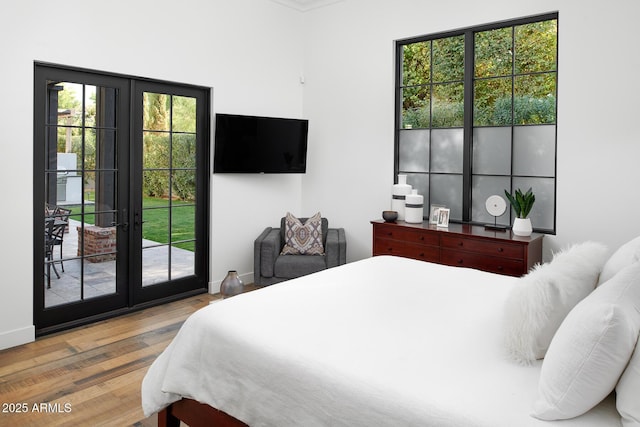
x=522 y=203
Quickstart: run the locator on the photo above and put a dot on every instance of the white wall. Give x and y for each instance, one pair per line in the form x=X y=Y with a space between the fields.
x=252 y=53
x=349 y=68
x=248 y=51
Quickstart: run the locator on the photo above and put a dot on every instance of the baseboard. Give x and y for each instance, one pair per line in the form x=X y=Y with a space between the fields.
x=214 y=287
x=17 y=337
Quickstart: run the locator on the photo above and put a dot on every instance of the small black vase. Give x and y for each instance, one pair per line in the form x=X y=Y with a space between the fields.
x=231 y=285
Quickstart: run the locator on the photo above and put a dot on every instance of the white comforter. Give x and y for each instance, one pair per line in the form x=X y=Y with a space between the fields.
x=385 y=341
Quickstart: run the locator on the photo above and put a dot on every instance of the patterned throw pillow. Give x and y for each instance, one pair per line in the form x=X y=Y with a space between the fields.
x=303 y=239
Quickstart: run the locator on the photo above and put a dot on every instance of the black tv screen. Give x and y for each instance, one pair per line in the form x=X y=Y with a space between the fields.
x=251 y=144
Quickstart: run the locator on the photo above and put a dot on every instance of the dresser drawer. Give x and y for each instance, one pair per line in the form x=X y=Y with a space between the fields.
x=458 y=245
x=508 y=266
x=496 y=248
x=408 y=235
x=383 y=246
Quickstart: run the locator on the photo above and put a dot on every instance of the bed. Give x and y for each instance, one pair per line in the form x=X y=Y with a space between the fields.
x=385 y=341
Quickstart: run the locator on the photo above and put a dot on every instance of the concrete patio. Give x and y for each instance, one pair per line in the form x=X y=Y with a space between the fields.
x=100 y=278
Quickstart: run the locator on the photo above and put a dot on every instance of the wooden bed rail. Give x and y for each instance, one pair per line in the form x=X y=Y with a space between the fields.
x=195 y=414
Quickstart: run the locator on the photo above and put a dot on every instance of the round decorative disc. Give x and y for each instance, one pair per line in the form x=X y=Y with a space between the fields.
x=495 y=205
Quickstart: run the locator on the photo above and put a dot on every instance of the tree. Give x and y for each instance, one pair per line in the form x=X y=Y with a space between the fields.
x=169 y=144
x=514 y=68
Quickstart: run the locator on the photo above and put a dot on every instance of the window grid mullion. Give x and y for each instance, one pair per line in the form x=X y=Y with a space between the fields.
x=467 y=148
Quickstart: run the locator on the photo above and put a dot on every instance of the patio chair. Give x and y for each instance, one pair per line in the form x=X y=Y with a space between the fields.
x=54 y=235
x=61 y=215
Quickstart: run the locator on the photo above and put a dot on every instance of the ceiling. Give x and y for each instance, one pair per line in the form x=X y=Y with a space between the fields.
x=305 y=5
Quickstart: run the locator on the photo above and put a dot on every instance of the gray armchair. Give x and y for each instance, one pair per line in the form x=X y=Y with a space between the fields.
x=270 y=267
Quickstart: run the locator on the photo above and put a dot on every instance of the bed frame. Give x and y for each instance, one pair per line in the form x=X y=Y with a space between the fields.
x=195 y=414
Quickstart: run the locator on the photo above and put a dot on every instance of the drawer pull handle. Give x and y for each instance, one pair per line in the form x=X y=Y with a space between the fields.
x=500 y=250
x=460 y=261
x=421 y=238
x=460 y=243
x=500 y=268
x=390 y=233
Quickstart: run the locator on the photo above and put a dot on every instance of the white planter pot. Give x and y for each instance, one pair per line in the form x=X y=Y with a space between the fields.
x=413 y=209
x=399 y=193
x=522 y=227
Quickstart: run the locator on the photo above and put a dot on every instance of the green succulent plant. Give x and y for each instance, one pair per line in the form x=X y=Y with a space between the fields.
x=521 y=202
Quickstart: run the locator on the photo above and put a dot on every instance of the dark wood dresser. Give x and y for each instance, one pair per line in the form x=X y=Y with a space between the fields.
x=459 y=245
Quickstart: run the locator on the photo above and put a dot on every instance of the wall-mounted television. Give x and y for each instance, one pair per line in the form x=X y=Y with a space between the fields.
x=251 y=144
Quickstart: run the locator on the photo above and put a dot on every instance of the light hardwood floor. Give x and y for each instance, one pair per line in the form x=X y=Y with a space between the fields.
x=89 y=376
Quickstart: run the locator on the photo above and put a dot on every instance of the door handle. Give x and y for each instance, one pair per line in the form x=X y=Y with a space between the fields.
x=124 y=225
x=136 y=219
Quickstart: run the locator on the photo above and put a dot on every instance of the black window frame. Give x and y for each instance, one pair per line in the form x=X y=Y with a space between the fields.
x=468 y=126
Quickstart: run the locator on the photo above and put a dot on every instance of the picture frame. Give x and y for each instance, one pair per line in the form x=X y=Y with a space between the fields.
x=443 y=218
x=433 y=213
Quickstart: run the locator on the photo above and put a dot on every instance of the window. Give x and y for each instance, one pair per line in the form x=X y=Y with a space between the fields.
x=476 y=114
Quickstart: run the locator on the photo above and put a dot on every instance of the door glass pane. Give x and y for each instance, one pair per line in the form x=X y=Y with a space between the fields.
x=65 y=103
x=155 y=188
x=155 y=265
x=184 y=186
x=183 y=260
x=90 y=108
x=183 y=223
x=183 y=241
x=183 y=151
x=81 y=194
x=155 y=150
x=169 y=188
x=100 y=149
x=156 y=111
x=184 y=114
x=155 y=229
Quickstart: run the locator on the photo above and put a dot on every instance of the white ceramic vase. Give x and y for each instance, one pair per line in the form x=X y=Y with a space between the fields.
x=413 y=210
x=522 y=227
x=399 y=193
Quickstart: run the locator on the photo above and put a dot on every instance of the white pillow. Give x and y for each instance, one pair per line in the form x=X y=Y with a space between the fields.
x=628 y=391
x=591 y=349
x=626 y=255
x=536 y=307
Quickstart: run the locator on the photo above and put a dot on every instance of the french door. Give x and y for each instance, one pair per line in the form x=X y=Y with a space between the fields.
x=121 y=165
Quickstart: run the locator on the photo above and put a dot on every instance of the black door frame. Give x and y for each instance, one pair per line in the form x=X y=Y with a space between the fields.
x=127 y=297
x=150 y=294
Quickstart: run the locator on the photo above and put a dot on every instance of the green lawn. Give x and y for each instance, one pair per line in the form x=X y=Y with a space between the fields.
x=155 y=215
x=156 y=222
